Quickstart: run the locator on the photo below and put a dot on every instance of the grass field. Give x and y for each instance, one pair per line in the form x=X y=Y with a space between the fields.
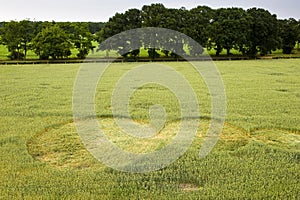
x=257 y=156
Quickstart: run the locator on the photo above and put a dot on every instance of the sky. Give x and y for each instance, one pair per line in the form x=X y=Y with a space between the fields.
x=102 y=10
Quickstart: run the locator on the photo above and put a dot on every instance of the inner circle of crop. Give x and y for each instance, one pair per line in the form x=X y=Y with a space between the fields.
x=95 y=139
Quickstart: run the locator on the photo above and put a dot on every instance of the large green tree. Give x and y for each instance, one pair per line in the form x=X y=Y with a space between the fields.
x=52 y=42
x=181 y=20
x=197 y=24
x=17 y=37
x=154 y=15
x=229 y=29
x=119 y=23
x=82 y=39
x=289 y=33
x=263 y=34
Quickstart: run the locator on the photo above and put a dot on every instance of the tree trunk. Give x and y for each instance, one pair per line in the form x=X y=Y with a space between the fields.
x=228 y=51
x=25 y=50
x=218 y=50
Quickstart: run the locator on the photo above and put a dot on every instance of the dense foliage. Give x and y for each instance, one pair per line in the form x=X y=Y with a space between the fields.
x=52 y=42
x=17 y=36
x=250 y=32
x=289 y=34
x=48 y=39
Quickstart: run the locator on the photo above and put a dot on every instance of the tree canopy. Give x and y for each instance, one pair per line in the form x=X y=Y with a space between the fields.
x=17 y=36
x=52 y=42
x=251 y=32
x=47 y=39
x=289 y=33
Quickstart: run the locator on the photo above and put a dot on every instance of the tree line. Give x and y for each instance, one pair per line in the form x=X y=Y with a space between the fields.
x=251 y=32
x=48 y=39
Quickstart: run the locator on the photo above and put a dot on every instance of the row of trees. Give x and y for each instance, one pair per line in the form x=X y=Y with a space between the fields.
x=48 y=39
x=249 y=31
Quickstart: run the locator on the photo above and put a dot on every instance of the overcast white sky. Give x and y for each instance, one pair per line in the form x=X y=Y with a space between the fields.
x=101 y=10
